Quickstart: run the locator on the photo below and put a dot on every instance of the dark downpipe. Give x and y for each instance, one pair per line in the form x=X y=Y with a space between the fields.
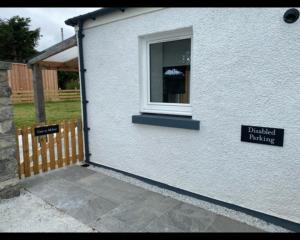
x=82 y=80
x=83 y=94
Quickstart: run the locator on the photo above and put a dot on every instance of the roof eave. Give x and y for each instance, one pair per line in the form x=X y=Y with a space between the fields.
x=91 y=15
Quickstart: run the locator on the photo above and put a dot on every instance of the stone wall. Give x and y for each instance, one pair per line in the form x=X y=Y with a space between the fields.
x=9 y=186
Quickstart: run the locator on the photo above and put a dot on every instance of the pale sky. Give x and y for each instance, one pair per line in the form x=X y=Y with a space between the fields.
x=49 y=20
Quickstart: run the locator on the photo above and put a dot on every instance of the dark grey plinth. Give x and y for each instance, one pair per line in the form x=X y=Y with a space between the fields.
x=166 y=121
x=9 y=182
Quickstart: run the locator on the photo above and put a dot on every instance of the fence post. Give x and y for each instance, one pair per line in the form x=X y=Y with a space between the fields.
x=40 y=113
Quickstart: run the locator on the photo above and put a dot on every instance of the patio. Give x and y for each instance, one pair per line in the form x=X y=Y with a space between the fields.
x=106 y=204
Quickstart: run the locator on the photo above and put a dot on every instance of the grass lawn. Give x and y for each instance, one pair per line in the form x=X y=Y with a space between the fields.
x=24 y=113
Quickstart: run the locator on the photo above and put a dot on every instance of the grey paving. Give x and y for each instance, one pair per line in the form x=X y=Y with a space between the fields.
x=138 y=214
x=107 y=204
x=93 y=208
x=224 y=224
x=74 y=173
x=186 y=218
x=113 y=189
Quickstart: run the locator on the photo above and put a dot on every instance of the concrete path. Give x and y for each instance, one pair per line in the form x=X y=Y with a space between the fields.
x=110 y=205
x=28 y=213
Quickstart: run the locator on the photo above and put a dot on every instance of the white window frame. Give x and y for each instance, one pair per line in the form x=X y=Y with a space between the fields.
x=157 y=107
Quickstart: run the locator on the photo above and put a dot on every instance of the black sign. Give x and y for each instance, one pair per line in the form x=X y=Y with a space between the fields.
x=262 y=135
x=46 y=130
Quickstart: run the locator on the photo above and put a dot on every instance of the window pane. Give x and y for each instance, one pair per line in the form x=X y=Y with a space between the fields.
x=170 y=71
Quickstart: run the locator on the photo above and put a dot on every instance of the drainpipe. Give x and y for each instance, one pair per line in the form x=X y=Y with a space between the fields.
x=83 y=94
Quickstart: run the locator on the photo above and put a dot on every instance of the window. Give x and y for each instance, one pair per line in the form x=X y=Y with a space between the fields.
x=165 y=72
x=169 y=71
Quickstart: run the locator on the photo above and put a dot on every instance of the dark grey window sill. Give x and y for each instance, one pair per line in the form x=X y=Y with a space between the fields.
x=167 y=121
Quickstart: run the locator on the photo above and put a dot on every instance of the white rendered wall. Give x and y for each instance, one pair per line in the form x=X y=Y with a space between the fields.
x=245 y=70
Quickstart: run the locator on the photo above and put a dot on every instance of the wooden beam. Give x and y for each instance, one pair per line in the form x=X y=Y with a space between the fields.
x=65 y=69
x=73 y=62
x=57 y=48
x=71 y=65
x=40 y=113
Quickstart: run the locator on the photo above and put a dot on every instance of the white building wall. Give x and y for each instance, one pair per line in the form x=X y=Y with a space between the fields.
x=245 y=70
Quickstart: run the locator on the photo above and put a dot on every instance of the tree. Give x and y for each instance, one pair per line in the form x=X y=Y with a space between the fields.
x=68 y=80
x=17 y=42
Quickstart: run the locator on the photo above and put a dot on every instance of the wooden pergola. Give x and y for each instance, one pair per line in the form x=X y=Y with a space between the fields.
x=62 y=56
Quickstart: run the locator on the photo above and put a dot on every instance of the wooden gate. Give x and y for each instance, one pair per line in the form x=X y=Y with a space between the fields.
x=37 y=154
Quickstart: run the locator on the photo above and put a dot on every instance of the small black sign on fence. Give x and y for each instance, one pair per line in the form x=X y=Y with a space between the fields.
x=262 y=135
x=39 y=131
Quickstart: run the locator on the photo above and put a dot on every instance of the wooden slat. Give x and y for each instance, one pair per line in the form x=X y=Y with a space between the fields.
x=51 y=151
x=35 y=158
x=15 y=77
x=80 y=140
x=66 y=142
x=59 y=148
x=18 y=132
x=44 y=153
x=55 y=82
x=73 y=141
x=25 y=152
x=9 y=78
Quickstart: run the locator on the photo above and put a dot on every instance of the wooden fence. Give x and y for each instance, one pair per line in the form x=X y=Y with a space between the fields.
x=37 y=154
x=59 y=95
x=20 y=78
x=68 y=95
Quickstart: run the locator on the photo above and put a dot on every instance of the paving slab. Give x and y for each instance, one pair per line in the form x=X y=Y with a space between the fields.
x=74 y=173
x=92 y=210
x=66 y=195
x=112 y=189
x=108 y=204
x=161 y=226
x=38 y=180
x=111 y=224
x=184 y=217
x=138 y=214
x=225 y=224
